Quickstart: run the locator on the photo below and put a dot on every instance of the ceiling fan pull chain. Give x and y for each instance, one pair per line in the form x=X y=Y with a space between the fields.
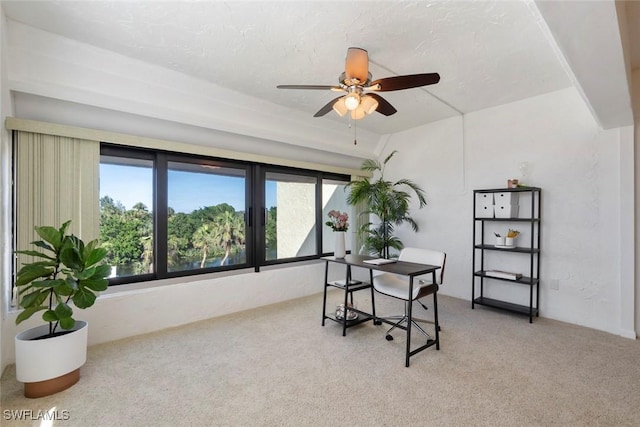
x=355 y=132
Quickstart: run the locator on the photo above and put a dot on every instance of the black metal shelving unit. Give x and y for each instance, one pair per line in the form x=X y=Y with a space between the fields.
x=480 y=278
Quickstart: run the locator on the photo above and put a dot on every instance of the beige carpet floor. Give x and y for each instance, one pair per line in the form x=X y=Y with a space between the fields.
x=276 y=366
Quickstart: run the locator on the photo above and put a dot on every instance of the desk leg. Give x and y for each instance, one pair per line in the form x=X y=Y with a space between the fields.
x=435 y=312
x=346 y=296
x=324 y=299
x=373 y=302
x=409 y=307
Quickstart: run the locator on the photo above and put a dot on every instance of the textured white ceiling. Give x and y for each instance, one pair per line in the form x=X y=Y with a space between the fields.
x=487 y=52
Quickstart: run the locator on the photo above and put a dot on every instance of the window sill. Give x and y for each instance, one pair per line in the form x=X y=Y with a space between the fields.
x=150 y=284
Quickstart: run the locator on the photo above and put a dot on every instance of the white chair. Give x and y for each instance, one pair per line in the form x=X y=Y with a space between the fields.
x=398 y=287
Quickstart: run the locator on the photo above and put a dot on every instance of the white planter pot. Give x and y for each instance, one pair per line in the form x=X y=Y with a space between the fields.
x=50 y=358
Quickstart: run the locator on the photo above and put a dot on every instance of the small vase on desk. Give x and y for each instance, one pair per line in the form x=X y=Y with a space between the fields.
x=339 y=250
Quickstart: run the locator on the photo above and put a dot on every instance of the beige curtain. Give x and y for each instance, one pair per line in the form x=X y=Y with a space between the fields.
x=56 y=180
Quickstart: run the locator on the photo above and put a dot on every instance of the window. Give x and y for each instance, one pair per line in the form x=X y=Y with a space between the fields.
x=290 y=229
x=126 y=214
x=206 y=216
x=334 y=197
x=167 y=215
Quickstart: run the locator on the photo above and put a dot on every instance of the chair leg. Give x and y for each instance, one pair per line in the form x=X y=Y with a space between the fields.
x=417 y=326
x=404 y=319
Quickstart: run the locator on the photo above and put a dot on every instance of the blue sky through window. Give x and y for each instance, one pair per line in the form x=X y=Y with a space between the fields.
x=188 y=191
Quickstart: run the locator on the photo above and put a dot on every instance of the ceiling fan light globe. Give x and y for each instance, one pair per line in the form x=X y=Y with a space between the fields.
x=358 y=113
x=339 y=107
x=357 y=64
x=352 y=101
x=369 y=104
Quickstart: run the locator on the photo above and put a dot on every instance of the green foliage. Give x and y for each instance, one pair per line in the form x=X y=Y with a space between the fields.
x=228 y=232
x=271 y=231
x=389 y=201
x=208 y=232
x=73 y=272
x=126 y=234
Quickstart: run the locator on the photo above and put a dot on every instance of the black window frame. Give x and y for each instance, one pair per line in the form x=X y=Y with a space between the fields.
x=254 y=217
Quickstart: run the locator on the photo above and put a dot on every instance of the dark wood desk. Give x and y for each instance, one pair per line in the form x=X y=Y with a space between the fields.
x=409 y=269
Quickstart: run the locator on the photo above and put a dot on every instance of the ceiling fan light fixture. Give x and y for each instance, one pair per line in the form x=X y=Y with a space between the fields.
x=369 y=104
x=340 y=107
x=352 y=101
x=357 y=64
x=358 y=113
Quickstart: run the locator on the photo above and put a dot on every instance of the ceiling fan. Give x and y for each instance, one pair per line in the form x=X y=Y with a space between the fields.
x=360 y=98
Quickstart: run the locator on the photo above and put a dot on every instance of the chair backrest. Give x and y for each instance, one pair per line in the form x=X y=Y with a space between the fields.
x=425 y=256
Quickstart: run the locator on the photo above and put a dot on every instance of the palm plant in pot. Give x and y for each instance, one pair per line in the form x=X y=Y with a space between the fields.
x=388 y=201
x=48 y=357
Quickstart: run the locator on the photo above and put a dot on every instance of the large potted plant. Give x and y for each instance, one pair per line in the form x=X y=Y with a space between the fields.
x=388 y=201
x=49 y=357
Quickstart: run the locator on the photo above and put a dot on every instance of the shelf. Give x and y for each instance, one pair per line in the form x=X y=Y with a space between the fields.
x=506 y=190
x=508 y=219
x=351 y=288
x=523 y=280
x=362 y=317
x=503 y=305
x=519 y=249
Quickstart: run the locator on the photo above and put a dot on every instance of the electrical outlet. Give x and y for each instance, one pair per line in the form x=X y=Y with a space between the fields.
x=555 y=284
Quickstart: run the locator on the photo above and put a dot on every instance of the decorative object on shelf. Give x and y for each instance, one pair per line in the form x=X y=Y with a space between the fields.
x=389 y=202
x=48 y=359
x=351 y=315
x=499 y=239
x=512 y=183
x=503 y=274
x=524 y=172
x=338 y=221
x=510 y=239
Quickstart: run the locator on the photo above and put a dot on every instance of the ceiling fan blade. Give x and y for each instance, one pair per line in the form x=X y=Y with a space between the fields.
x=357 y=64
x=405 y=82
x=324 y=110
x=383 y=105
x=312 y=87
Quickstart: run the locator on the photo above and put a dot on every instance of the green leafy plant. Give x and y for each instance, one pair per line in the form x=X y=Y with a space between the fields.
x=387 y=200
x=68 y=270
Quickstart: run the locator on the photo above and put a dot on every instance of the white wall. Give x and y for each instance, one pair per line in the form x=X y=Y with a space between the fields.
x=578 y=167
x=126 y=311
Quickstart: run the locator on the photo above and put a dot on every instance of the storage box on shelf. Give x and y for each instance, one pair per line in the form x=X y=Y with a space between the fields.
x=507 y=212
x=506 y=198
x=506 y=204
x=484 y=205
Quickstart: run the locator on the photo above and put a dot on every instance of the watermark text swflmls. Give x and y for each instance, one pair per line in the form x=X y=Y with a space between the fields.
x=36 y=415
